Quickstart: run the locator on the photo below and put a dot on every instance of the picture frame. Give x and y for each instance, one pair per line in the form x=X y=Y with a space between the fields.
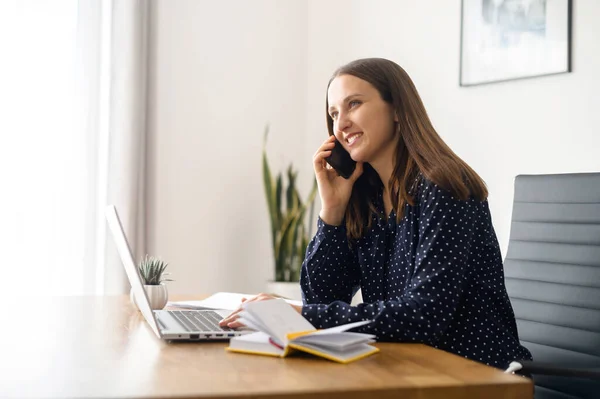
x=503 y=40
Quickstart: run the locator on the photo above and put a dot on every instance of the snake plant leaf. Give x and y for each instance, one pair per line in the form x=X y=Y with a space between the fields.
x=299 y=230
x=312 y=194
x=292 y=239
x=297 y=235
x=278 y=200
x=297 y=225
x=269 y=189
x=292 y=194
x=283 y=244
x=300 y=254
x=288 y=231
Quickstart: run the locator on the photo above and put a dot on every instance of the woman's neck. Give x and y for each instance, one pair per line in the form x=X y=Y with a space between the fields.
x=384 y=164
x=385 y=170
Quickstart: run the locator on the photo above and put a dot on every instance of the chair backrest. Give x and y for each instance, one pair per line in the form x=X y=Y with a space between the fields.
x=552 y=271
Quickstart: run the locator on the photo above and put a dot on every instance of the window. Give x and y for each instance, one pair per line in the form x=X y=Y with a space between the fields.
x=46 y=206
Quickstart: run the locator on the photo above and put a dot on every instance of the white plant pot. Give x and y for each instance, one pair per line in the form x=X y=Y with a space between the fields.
x=157 y=295
x=285 y=289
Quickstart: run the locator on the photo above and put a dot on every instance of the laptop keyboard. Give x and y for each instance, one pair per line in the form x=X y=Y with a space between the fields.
x=205 y=320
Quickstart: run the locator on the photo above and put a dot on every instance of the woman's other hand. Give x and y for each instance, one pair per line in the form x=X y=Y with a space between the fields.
x=231 y=321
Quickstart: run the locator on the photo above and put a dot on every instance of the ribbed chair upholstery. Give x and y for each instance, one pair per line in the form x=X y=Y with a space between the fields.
x=552 y=271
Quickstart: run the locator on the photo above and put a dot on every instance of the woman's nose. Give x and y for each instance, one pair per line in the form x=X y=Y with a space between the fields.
x=343 y=122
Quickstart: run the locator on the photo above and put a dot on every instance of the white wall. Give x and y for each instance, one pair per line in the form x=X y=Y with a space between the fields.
x=541 y=125
x=220 y=70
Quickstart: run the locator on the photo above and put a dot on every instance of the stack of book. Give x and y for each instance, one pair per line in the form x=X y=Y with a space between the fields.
x=281 y=330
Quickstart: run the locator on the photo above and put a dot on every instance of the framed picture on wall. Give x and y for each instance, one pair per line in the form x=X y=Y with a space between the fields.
x=514 y=39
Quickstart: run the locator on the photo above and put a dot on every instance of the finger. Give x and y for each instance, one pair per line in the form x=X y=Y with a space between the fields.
x=329 y=139
x=235 y=324
x=260 y=297
x=324 y=147
x=319 y=162
x=228 y=320
x=329 y=143
x=321 y=155
x=238 y=310
x=225 y=321
x=253 y=299
x=231 y=317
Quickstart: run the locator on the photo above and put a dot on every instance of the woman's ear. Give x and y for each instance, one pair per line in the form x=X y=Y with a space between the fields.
x=396 y=117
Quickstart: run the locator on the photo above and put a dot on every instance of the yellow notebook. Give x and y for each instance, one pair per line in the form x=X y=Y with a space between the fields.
x=281 y=330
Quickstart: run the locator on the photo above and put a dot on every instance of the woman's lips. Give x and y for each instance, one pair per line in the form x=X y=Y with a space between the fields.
x=353 y=138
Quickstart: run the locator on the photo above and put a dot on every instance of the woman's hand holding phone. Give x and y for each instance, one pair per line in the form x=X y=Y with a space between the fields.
x=334 y=190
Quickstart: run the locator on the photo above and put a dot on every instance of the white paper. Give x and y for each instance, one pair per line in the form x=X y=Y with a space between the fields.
x=257 y=341
x=281 y=318
x=338 y=341
x=249 y=321
x=221 y=300
x=343 y=327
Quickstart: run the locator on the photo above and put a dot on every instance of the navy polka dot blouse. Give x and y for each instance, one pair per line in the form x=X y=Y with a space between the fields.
x=435 y=278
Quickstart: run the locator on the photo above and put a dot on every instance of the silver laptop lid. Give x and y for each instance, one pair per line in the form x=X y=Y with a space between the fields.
x=116 y=228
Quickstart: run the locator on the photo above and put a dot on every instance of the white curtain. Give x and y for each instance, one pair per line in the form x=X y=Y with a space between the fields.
x=72 y=140
x=127 y=133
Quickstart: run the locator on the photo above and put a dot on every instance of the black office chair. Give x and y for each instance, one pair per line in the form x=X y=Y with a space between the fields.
x=552 y=271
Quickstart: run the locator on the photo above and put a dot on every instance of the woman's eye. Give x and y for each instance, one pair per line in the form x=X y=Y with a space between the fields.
x=353 y=103
x=334 y=115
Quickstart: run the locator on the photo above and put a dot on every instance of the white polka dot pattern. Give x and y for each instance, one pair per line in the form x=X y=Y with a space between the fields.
x=435 y=278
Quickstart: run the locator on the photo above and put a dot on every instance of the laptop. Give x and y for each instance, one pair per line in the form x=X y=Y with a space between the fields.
x=175 y=325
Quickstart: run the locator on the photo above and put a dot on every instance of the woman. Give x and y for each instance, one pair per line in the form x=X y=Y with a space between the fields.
x=411 y=227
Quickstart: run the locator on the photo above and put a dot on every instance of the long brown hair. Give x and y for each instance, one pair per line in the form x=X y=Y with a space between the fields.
x=420 y=149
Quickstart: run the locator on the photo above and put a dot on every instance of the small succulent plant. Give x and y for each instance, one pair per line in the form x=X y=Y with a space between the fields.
x=152 y=271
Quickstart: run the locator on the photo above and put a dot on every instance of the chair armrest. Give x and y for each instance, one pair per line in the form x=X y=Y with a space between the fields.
x=529 y=367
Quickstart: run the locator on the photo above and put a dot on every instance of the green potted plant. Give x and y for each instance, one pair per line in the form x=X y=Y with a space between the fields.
x=152 y=273
x=289 y=235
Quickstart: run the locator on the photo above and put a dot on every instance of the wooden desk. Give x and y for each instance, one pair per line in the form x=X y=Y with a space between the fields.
x=100 y=347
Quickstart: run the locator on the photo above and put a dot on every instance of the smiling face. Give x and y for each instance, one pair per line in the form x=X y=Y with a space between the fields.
x=362 y=121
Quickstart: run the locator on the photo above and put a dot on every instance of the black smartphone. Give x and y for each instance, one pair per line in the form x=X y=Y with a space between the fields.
x=340 y=161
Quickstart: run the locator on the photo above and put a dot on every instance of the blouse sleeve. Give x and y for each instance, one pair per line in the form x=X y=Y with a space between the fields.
x=424 y=311
x=330 y=270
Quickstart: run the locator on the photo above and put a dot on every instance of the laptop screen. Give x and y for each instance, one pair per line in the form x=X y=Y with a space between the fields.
x=116 y=228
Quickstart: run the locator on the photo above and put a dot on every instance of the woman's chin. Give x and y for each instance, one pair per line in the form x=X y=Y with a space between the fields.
x=357 y=156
